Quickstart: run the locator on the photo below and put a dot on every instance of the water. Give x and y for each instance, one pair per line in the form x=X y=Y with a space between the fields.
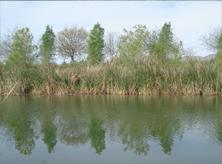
x=111 y=130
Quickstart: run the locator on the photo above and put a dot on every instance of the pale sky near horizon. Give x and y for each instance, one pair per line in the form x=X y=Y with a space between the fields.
x=191 y=20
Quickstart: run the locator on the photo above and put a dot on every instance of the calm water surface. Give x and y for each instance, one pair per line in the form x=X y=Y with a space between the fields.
x=111 y=130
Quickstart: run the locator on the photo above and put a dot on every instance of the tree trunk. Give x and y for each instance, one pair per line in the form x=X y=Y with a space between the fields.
x=72 y=58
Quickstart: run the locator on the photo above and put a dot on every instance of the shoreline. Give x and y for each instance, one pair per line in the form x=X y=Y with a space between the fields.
x=165 y=94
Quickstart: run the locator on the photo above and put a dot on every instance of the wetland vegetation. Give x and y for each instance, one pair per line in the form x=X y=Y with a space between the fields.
x=137 y=62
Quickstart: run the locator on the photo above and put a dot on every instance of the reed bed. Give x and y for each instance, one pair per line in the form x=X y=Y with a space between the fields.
x=145 y=76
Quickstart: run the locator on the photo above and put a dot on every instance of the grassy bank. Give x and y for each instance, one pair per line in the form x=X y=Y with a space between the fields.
x=147 y=76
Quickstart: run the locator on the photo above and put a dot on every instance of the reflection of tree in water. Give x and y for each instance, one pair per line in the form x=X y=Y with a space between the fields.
x=72 y=131
x=48 y=128
x=219 y=131
x=218 y=127
x=164 y=130
x=134 y=123
x=140 y=123
x=97 y=135
x=17 y=117
x=49 y=131
x=134 y=138
x=22 y=132
x=75 y=127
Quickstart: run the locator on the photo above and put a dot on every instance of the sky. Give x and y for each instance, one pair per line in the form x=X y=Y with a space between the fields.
x=191 y=20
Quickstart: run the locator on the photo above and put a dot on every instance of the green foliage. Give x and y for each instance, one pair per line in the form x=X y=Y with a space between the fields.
x=140 y=42
x=219 y=51
x=96 y=44
x=163 y=43
x=133 y=43
x=21 y=59
x=47 y=45
x=22 y=48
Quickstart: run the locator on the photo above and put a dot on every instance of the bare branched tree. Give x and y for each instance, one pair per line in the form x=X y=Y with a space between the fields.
x=71 y=42
x=5 y=46
x=111 y=43
x=210 y=41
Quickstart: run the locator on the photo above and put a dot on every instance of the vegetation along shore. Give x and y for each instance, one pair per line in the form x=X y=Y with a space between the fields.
x=137 y=62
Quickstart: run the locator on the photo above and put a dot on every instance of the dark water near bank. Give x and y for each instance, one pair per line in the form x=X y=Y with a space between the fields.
x=111 y=130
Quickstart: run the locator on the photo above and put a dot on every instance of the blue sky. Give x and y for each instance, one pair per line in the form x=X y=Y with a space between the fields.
x=191 y=20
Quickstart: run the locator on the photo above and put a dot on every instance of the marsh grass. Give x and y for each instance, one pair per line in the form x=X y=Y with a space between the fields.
x=144 y=76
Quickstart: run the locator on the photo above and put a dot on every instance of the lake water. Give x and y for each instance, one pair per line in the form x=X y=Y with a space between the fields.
x=111 y=130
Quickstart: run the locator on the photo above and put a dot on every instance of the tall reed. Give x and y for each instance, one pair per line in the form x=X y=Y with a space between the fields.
x=147 y=76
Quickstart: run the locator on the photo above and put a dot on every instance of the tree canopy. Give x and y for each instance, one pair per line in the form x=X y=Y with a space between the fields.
x=71 y=42
x=96 y=44
x=47 y=45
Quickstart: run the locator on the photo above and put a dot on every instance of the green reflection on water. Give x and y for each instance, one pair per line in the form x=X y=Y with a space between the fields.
x=133 y=121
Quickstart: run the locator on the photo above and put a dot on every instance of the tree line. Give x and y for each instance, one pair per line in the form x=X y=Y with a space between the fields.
x=72 y=42
x=138 y=61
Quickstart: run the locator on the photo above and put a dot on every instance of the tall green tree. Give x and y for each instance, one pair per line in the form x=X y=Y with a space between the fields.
x=47 y=45
x=96 y=44
x=21 y=59
x=22 y=49
x=165 y=40
x=133 y=43
x=163 y=44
